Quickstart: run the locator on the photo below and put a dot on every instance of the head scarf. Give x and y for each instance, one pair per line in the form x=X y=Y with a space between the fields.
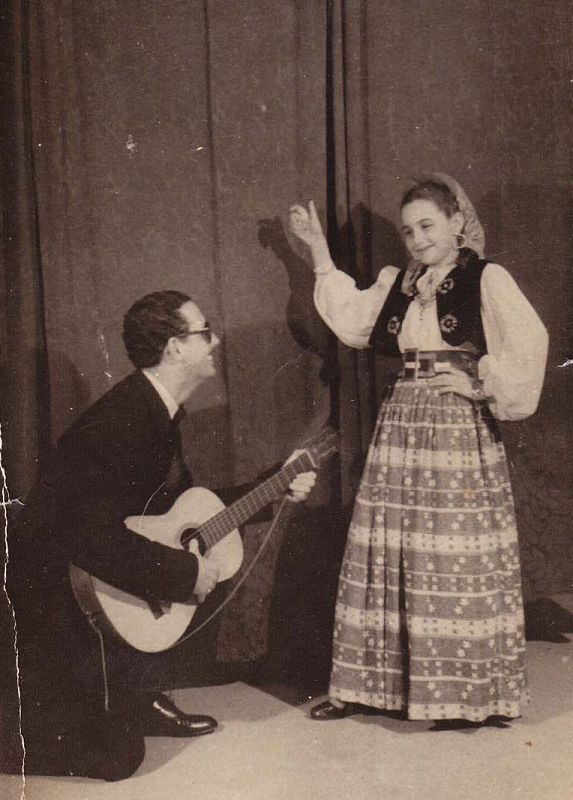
x=472 y=227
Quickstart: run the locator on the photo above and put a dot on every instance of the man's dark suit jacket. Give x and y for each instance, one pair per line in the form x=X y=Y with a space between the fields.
x=105 y=467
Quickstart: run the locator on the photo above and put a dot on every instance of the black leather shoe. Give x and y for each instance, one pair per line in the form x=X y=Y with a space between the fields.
x=456 y=725
x=328 y=710
x=163 y=718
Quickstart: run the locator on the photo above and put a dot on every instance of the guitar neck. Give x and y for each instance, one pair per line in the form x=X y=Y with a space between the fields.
x=217 y=527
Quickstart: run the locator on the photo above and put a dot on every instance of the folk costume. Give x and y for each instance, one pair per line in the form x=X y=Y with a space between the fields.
x=429 y=613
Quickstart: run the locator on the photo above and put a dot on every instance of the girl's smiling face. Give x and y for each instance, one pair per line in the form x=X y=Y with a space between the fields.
x=429 y=234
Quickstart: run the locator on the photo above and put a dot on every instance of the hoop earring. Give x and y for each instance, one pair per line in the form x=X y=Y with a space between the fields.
x=463 y=238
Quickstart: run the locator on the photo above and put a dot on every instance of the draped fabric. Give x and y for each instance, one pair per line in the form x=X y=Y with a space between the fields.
x=153 y=145
x=24 y=390
x=152 y=133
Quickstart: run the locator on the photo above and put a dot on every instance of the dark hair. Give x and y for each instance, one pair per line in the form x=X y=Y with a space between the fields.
x=436 y=192
x=150 y=323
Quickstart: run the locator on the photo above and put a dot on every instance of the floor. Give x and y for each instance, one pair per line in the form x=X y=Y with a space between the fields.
x=267 y=749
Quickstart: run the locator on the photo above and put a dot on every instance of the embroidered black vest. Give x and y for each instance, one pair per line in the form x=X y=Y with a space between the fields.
x=458 y=307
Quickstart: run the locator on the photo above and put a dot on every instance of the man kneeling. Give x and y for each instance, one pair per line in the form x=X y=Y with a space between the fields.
x=122 y=451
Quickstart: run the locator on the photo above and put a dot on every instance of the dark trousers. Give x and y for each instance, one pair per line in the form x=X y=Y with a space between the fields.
x=64 y=729
x=59 y=724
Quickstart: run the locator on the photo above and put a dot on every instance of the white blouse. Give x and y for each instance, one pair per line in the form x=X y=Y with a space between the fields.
x=517 y=341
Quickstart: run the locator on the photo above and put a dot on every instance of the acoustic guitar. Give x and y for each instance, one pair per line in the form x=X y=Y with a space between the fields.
x=199 y=522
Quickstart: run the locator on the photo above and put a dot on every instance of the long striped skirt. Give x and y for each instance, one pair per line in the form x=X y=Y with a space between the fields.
x=429 y=614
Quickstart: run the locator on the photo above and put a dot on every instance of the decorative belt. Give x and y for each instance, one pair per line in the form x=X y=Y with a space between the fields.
x=418 y=364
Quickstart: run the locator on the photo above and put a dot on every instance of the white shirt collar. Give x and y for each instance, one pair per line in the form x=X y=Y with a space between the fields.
x=437 y=273
x=171 y=405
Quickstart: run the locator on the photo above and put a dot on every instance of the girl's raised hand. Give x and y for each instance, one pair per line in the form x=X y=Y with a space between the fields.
x=306 y=224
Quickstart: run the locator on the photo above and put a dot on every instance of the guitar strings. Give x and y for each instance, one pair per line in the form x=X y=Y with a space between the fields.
x=244 y=508
x=240 y=582
x=212 y=529
x=257 y=555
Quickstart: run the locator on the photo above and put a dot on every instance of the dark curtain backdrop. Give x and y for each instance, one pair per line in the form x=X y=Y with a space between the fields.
x=159 y=143
x=482 y=91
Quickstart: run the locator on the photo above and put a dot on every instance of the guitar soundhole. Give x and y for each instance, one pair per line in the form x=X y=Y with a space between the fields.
x=188 y=535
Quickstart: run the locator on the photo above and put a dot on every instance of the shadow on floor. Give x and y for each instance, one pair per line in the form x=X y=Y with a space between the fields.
x=547 y=621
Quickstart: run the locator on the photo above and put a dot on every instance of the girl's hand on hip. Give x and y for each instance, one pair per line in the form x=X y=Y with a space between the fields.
x=455 y=381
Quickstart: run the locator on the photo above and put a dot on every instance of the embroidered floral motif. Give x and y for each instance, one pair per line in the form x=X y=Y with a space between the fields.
x=394 y=325
x=445 y=286
x=448 y=323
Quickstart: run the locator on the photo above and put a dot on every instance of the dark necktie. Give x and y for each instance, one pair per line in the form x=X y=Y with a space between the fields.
x=178 y=474
x=179 y=414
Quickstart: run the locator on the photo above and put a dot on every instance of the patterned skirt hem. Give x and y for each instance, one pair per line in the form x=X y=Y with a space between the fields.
x=499 y=708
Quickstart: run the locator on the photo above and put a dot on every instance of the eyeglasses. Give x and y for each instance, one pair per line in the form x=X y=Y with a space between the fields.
x=205 y=332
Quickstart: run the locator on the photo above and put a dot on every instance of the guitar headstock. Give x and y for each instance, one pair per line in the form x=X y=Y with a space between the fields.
x=322 y=446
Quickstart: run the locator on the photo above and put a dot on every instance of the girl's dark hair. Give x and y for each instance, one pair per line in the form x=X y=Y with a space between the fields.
x=437 y=192
x=150 y=323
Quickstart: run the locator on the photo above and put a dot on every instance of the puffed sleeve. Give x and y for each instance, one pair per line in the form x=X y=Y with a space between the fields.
x=514 y=367
x=348 y=311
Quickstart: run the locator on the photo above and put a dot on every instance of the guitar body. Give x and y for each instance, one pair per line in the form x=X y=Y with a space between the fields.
x=191 y=509
x=197 y=519
x=130 y=618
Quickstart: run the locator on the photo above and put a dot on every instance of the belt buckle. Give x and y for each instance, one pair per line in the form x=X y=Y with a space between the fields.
x=427 y=365
x=418 y=366
x=411 y=364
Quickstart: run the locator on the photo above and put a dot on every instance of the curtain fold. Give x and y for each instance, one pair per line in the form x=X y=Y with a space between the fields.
x=24 y=388
x=350 y=223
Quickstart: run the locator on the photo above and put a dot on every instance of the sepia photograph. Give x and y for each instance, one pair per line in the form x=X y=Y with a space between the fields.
x=286 y=399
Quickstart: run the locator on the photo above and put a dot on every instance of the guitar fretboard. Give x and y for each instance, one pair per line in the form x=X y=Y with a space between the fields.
x=217 y=527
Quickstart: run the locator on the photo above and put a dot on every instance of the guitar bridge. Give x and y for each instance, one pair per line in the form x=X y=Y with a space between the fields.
x=156 y=608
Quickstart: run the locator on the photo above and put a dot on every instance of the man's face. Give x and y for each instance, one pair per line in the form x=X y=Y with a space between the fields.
x=197 y=346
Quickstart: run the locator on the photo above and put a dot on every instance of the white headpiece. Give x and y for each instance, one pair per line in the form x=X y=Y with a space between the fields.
x=472 y=230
